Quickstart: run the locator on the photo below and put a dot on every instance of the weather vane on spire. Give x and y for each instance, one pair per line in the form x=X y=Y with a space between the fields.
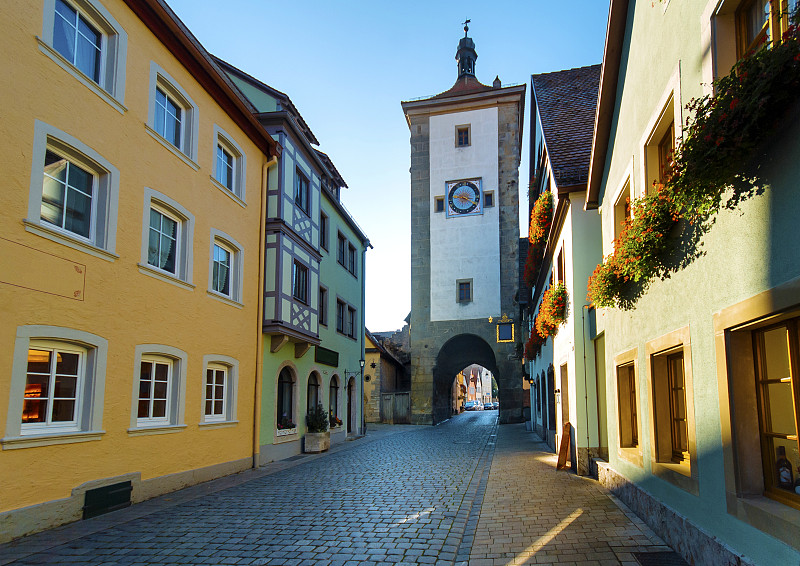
x=466 y=27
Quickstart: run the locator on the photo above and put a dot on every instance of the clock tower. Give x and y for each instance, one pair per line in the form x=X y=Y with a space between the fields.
x=465 y=156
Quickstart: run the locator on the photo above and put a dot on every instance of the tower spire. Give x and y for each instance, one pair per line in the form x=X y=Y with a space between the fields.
x=466 y=54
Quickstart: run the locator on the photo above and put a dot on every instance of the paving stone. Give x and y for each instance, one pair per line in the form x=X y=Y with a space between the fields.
x=401 y=495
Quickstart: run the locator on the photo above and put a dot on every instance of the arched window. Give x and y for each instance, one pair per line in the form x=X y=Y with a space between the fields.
x=312 y=400
x=285 y=399
x=333 y=399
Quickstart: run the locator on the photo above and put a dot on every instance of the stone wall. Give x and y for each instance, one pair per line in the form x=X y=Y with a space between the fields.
x=687 y=539
x=430 y=393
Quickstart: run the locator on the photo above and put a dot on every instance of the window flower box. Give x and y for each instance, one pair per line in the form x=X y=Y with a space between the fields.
x=286 y=431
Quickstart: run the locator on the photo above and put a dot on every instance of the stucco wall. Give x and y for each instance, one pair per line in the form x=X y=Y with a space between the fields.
x=119 y=301
x=748 y=251
x=464 y=247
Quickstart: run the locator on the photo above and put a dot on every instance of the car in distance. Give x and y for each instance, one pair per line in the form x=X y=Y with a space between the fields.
x=469 y=406
x=487 y=407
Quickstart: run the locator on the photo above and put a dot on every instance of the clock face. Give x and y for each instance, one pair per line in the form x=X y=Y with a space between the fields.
x=463 y=197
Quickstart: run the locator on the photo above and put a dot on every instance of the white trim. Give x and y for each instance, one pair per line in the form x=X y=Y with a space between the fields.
x=221 y=137
x=228 y=243
x=90 y=415
x=177 y=391
x=105 y=204
x=231 y=366
x=190 y=124
x=185 y=255
x=114 y=50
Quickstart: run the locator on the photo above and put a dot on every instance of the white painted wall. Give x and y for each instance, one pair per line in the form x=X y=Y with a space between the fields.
x=465 y=247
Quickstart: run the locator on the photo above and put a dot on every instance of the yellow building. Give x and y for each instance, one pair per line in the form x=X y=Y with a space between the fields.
x=130 y=255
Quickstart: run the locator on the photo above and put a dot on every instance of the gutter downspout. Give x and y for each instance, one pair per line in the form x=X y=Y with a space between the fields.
x=586 y=385
x=260 y=314
x=363 y=330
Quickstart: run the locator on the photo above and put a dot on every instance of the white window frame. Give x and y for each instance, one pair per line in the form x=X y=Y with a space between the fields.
x=238 y=190
x=226 y=242
x=184 y=259
x=168 y=214
x=190 y=120
x=155 y=360
x=89 y=410
x=176 y=396
x=114 y=50
x=62 y=426
x=231 y=367
x=102 y=239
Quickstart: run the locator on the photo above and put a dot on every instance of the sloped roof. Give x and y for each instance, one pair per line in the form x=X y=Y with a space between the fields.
x=566 y=102
x=464 y=85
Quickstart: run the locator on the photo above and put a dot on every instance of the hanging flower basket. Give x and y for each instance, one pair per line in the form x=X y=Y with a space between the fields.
x=552 y=311
x=714 y=167
x=541 y=219
x=534 y=344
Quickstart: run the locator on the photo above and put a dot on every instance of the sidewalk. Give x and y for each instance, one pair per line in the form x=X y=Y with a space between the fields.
x=533 y=514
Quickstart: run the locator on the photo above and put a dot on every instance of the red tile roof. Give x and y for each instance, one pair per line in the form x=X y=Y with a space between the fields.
x=566 y=102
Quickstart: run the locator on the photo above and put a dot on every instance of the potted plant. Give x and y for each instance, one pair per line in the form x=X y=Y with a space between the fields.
x=318 y=438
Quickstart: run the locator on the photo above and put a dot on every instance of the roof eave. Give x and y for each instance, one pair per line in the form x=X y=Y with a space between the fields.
x=171 y=31
x=607 y=98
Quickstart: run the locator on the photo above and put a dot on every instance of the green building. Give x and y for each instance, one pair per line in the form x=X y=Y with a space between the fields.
x=702 y=367
x=313 y=328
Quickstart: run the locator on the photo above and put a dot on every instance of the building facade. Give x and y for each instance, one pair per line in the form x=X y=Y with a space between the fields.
x=563 y=375
x=465 y=152
x=702 y=369
x=314 y=288
x=114 y=261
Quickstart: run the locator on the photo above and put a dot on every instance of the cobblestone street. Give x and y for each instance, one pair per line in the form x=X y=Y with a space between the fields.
x=465 y=492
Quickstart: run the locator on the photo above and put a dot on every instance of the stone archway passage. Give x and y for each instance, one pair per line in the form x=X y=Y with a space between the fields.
x=456 y=354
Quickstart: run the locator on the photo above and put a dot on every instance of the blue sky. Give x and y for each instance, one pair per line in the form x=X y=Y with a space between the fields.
x=346 y=65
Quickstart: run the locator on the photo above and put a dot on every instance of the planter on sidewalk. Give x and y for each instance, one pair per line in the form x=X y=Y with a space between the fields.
x=316 y=442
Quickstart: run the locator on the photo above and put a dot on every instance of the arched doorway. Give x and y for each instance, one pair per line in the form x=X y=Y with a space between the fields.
x=456 y=354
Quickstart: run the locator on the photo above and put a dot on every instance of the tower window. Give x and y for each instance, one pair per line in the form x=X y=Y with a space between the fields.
x=464 y=291
x=488 y=200
x=463 y=136
x=439 y=204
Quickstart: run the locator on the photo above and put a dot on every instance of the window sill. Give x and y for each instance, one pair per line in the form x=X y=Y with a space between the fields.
x=767 y=515
x=228 y=193
x=177 y=152
x=679 y=475
x=59 y=60
x=164 y=276
x=631 y=454
x=223 y=299
x=217 y=424
x=31 y=441
x=64 y=239
x=145 y=430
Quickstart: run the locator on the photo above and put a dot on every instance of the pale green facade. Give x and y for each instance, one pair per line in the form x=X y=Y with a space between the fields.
x=748 y=271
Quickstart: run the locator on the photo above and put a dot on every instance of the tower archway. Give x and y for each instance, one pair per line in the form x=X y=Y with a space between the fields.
x=456 y=354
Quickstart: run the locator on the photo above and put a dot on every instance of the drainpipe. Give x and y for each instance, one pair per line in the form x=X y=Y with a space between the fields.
x=363 y=328
x=260 y=313
x=585 y=379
